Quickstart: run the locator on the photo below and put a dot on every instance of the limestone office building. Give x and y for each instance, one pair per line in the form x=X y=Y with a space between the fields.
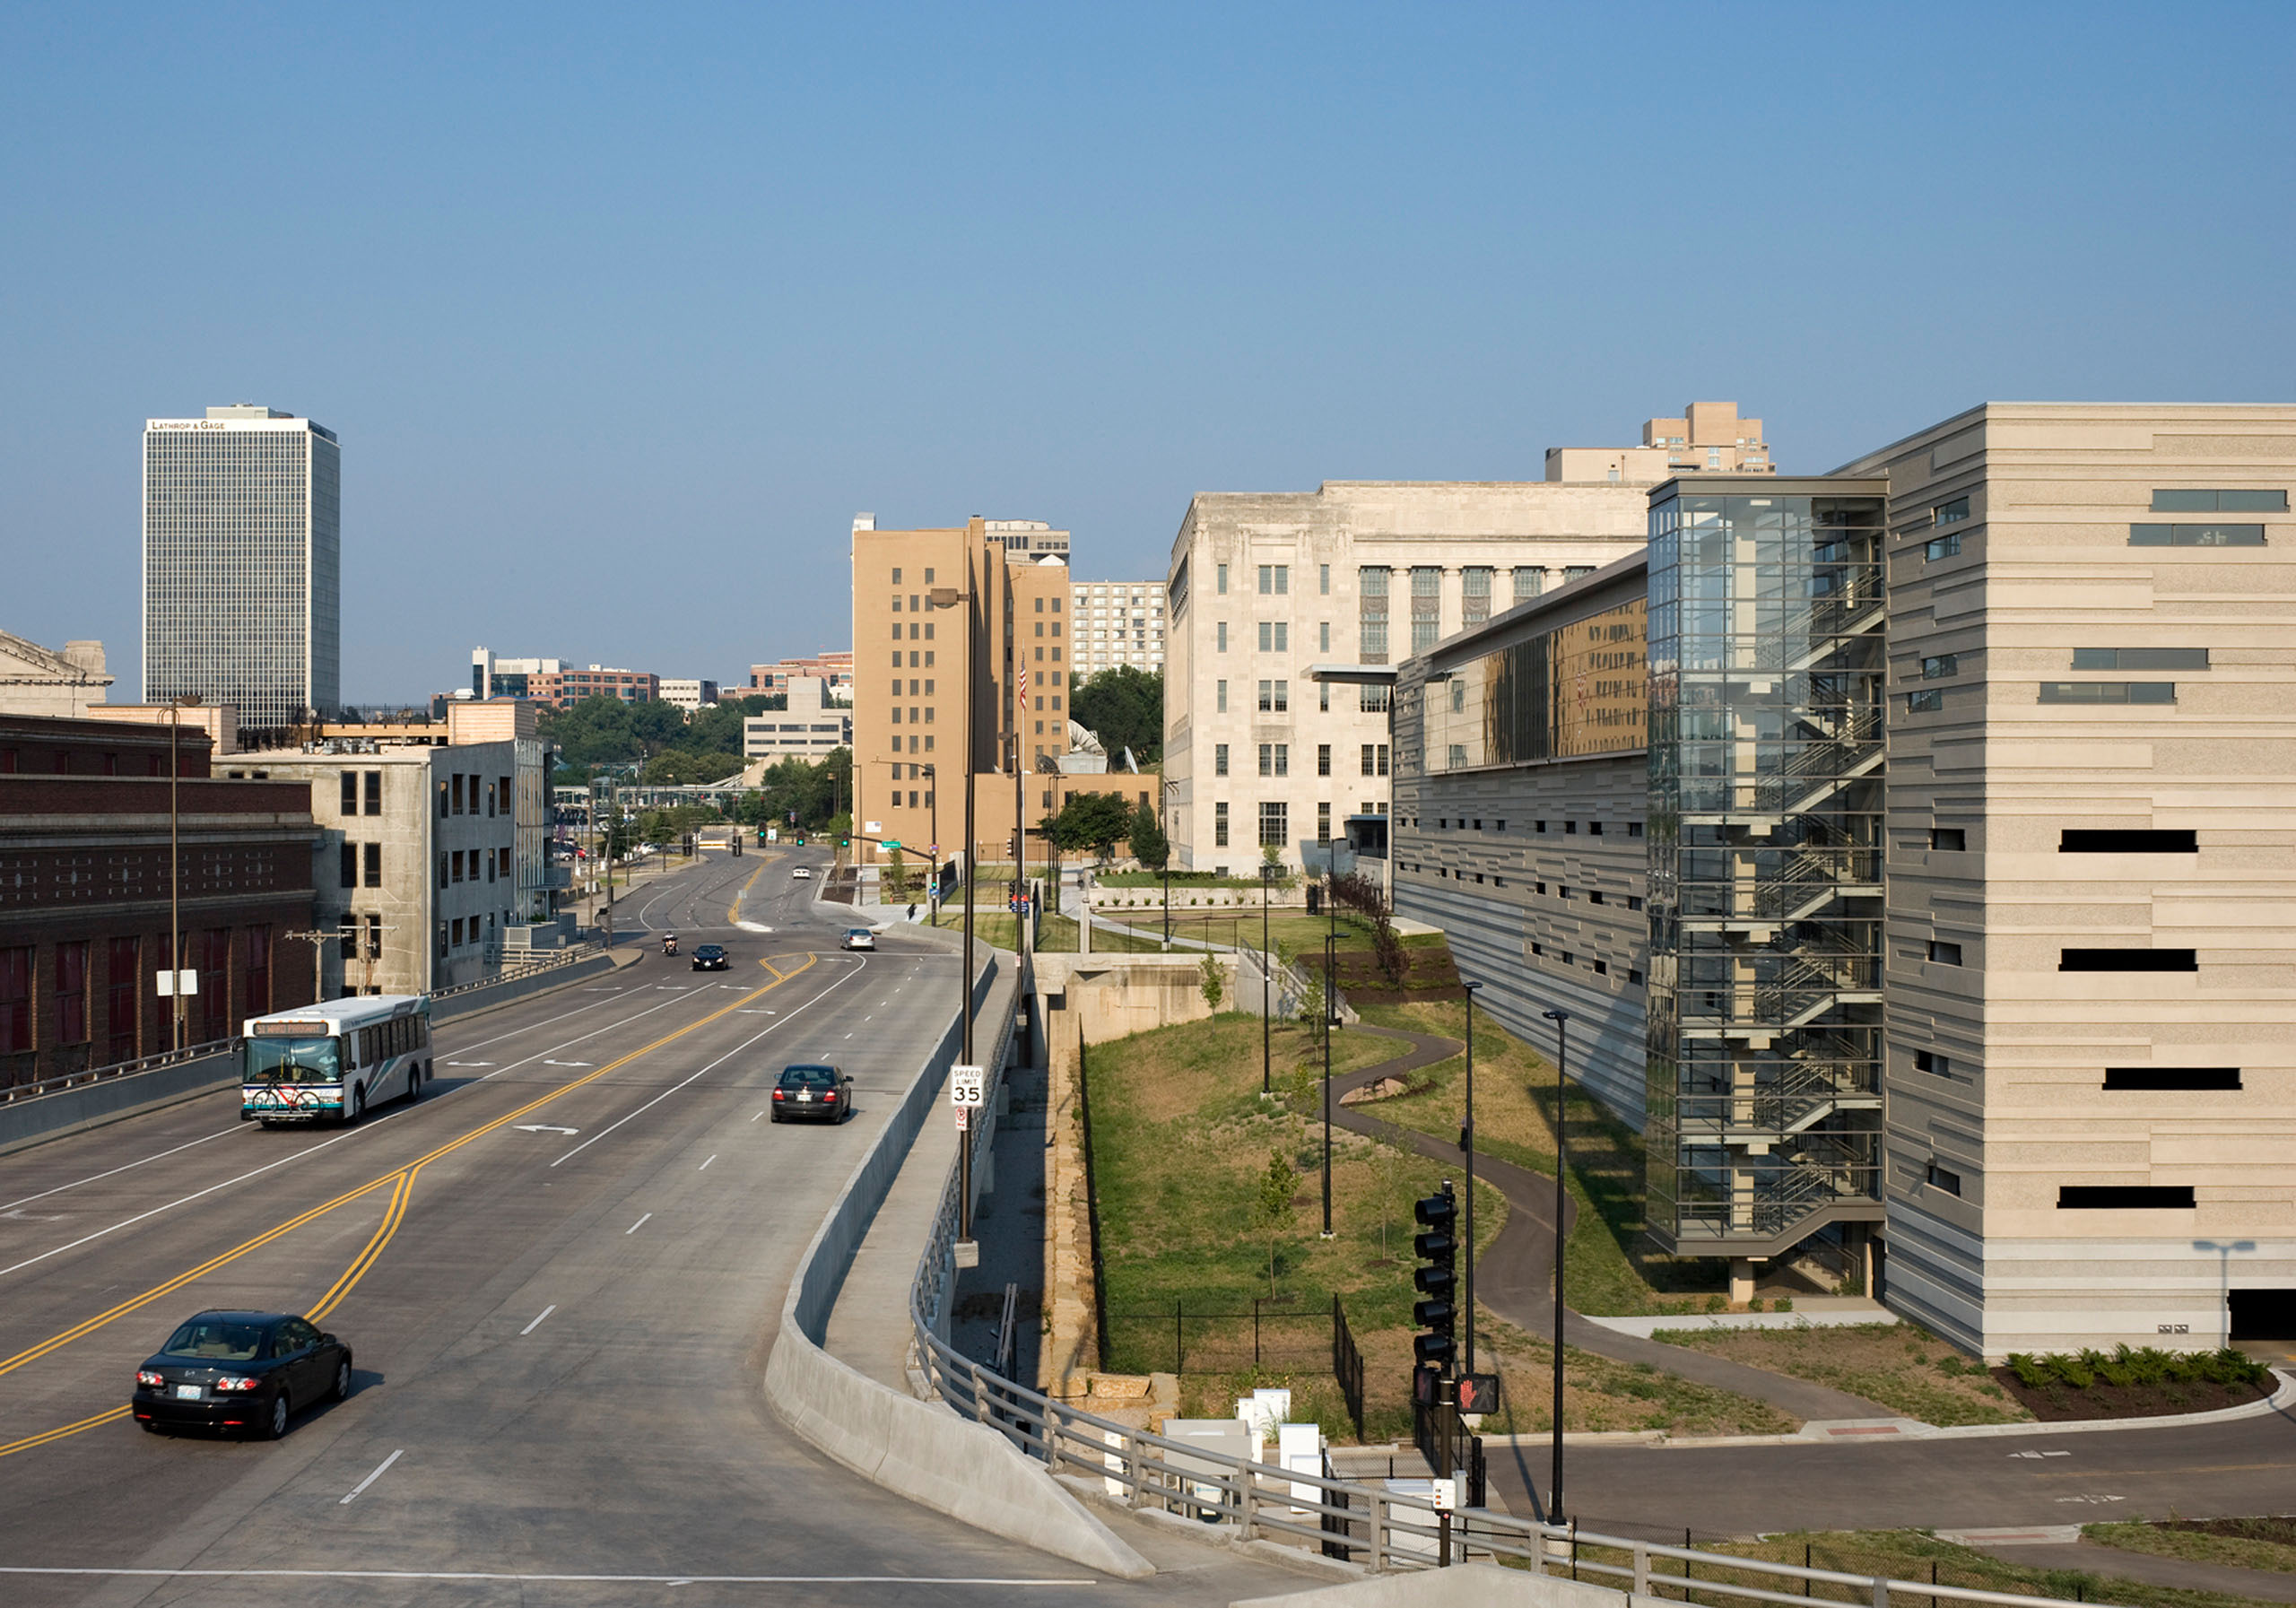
x=1914 y=847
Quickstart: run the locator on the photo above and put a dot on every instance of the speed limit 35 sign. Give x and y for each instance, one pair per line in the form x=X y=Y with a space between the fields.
x=966 y=1084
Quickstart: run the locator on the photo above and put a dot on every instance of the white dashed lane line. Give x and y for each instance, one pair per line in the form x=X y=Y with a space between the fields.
x=545 y=1312
x=705 y=1166
x=380 y=1469
x=632 y=1229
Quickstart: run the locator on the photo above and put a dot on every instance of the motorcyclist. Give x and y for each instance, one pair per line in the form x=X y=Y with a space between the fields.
x=669 y=943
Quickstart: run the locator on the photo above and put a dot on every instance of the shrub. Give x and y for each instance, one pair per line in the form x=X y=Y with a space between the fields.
x=2070 y=1370
x=2029 y=1369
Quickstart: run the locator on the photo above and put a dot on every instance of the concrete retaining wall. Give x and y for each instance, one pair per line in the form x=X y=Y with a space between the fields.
x=92 y=1105
x=1478 y=1585
x=917 y=1449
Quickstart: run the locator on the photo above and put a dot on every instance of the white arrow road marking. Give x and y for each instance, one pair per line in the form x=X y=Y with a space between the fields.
x=565 y=1063
x=470 y=1063
x=21 y=1216
x=752 y=927
x=544 y=1128
x=2038 y=1455
x=371 y=1478
x=545 y=1312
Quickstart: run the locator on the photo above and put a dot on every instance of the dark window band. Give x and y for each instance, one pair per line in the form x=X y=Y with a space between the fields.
x=2126 y=840
x=2128 y=959
x=2124 y=1197
x=2172 y=1077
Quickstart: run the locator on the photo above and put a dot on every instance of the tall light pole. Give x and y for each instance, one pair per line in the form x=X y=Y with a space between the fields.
x=1266 y=984
x=1561 y=1020
x=175 y=871
x=948 y=598
x=1164 y=798
x=1467 y=1147
x=933 y=850
x=1330 y=946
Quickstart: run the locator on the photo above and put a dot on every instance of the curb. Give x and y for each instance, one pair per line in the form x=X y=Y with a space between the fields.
x=1841 y=1430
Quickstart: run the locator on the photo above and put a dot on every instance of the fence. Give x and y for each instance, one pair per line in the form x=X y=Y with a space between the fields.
x=1347 y=1365
x=1288 y=1333
x=1383 y=1529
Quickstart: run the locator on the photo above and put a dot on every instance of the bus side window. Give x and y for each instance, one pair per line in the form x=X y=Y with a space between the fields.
x=422 y=1032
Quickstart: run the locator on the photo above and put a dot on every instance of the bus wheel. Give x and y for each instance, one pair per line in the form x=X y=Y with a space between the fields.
x=413 y=1084
x=352 y=1112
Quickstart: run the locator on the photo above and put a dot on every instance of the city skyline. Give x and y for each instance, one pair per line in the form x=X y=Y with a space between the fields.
x=644 y=368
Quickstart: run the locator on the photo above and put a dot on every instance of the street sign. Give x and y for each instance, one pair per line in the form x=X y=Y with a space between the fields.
x=891 y=842
x=184 y=982
x=965 y=1086
x=964 y=1115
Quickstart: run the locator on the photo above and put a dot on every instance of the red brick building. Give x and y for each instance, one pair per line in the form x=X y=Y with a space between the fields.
x=85 y=877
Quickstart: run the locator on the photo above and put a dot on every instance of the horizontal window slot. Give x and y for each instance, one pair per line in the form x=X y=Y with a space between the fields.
x=2108 y=692
x=2140 y=659
x=2128 y=959
x=2195 y=536
x=2124 y=1197
x=2128 y=841
x=2178 y=1078
x=2219 y=500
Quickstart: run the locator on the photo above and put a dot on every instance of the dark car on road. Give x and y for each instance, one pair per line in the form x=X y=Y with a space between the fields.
x=243 y=1371
x=710 y=956
x=813 y=1091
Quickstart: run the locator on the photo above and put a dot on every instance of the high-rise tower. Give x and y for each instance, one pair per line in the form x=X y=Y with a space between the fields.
x=242 y=589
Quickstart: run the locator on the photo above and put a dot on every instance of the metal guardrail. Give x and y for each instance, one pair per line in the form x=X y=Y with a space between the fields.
x=103 y=1074
x=583 y=950
x=1385 y=1530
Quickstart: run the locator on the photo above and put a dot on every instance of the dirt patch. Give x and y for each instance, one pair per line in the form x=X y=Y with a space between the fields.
x=2055 y=1402
x=1897 y=1365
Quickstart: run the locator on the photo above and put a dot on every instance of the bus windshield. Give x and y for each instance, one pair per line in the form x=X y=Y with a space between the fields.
x=292 y=1061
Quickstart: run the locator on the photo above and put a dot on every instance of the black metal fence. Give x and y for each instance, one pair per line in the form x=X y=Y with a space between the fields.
x=1287 y=1333
x=1347 y=1365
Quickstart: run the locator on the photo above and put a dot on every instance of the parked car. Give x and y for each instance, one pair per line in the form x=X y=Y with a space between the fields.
x=243 y=1371
x=710 y=956
x=801 y=874
x=813 y=1091
x=859 y=937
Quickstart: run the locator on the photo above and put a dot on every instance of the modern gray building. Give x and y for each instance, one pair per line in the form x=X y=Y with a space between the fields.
x=1912 y=846
x=242 y=582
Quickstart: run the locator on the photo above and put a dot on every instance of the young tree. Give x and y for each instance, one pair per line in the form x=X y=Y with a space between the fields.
x=896 y=879
x=1272 y=1209
x=1150 y=846
x=1214 y=983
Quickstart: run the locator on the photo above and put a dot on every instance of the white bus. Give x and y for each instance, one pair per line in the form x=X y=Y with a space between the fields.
x=329 y=1063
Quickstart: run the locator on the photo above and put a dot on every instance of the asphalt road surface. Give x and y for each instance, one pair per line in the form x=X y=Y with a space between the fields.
x=2237 y=1468
x=558 y=1271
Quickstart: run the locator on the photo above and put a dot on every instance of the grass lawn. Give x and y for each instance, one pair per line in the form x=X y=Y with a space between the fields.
x=1909 y=1555
x=1181 y=1144
x=1610 y=1268
x=2268 y=1543
x=1895 y=1364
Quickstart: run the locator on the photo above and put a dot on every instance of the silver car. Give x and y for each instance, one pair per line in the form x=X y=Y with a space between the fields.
x=859 y=937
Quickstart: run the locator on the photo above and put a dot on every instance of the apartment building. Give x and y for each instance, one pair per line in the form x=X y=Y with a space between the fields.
x=1264 y=586
x=567 y=686
x=1958 y=923
x=1027 y=539
x=915 y=722
x=1116 y=623
x=431 y=861
x=689 y=693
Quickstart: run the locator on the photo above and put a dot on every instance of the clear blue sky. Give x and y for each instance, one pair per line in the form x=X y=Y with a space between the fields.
x=622 y=313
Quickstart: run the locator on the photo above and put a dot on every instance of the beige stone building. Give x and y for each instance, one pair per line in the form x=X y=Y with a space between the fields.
x=2090 y=942
x=1709 y=439
x=34 y=680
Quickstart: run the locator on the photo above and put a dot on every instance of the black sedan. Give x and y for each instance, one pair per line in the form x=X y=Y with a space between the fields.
x=710 y=956
x=240 y=1371
x=823 y=1092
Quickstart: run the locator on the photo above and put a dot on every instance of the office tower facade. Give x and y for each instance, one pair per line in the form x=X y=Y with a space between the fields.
x=1958 y=951
x=242 y=580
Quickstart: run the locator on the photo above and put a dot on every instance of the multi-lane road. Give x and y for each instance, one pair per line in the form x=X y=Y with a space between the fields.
x=559 y=1269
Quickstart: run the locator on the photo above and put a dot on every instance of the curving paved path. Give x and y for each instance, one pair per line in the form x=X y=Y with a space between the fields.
x=1515 y=1274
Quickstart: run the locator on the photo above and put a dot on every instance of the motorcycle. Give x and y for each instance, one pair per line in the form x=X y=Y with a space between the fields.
x=670 y=943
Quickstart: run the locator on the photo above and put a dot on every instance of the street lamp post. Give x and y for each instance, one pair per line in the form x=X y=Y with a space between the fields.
x=1561 y=1020
x=1330 y=945
x=944 y=597
x=1466 y=1146
x=175 y=871
x=1266 y=984
x=933 y=852
x=1164 y=797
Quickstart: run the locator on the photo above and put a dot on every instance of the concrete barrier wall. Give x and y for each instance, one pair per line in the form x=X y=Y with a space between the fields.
x=92 y=1105
x=917 y=1449
x=69 y=1110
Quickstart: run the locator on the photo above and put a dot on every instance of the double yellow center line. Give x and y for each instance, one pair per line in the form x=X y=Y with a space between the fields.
x=402 y=1183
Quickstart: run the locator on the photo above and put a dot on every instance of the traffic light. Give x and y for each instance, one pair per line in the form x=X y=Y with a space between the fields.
x=1435 y=1277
